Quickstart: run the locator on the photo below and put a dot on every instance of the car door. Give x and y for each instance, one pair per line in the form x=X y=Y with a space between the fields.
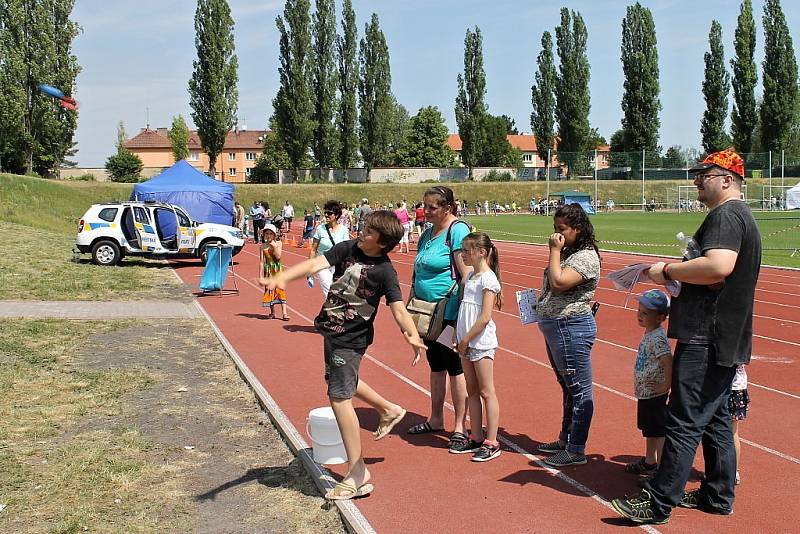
x=145 y=231
x=186 y=241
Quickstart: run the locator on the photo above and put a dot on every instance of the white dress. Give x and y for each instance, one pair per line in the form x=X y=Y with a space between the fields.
x=470 y=310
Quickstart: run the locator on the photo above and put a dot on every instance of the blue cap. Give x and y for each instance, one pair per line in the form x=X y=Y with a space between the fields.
x=655 y=299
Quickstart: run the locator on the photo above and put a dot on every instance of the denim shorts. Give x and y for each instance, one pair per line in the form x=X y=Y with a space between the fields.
x=341 y=370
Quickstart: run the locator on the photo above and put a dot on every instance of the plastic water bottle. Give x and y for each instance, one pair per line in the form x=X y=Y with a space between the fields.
x=689 y=247
x=310 y=281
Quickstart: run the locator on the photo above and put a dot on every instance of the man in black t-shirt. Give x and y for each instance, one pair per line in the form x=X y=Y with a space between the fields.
x=363 y=274
x=712 y=320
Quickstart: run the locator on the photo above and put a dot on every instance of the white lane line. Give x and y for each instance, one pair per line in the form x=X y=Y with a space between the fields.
x=778 y=391
x=543 y=364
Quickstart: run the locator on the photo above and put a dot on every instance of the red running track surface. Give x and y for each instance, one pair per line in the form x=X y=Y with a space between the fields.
x=419 y=486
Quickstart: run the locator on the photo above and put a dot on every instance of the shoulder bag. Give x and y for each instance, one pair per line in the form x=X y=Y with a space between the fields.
x=428 y=317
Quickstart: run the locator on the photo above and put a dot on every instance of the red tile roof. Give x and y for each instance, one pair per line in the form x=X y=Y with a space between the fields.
x=159 y=138
x=526 y=143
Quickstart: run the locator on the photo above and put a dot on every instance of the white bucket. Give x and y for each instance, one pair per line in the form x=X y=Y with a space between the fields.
x=326 y=440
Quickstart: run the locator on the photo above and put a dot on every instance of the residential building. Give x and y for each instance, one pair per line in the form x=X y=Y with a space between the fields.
x=234 y=164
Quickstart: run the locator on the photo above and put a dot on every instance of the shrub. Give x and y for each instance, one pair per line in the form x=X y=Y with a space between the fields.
x=83 y=178
x=124 y=166
x=495 y=176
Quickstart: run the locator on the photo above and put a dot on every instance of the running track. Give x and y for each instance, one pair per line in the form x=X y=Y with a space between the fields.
x=420 y=487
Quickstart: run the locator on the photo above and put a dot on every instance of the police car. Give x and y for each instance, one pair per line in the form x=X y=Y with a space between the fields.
x=111 y=231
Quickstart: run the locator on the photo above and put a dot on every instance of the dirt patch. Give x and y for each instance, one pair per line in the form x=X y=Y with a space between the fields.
x=187 y=449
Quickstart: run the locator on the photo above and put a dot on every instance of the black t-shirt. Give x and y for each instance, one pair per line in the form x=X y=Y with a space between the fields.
x=722 y=314
x=359 y=282
x=309 y=220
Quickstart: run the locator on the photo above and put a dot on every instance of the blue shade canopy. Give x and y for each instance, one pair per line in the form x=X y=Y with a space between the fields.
x=203 y=198
x=576 y=197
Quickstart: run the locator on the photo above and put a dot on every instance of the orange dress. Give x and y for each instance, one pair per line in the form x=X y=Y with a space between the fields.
x=271 y=267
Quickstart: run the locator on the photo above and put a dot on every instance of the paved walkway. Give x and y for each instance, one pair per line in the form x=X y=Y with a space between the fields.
x=122 y=309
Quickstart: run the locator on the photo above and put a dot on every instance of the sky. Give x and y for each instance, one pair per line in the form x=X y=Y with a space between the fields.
x=136 y=59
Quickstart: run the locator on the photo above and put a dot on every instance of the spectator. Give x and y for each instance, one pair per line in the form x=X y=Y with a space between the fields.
x=257 y=216
x=287 y=212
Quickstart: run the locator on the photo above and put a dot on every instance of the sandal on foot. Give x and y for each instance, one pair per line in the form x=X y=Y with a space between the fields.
x=386 y=424
x=270 y=316
x=458 y=439
x=284 y=318
x=343 y=491
x=423 y=428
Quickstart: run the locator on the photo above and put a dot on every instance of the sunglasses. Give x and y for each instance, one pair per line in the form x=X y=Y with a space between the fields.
x=329 y=213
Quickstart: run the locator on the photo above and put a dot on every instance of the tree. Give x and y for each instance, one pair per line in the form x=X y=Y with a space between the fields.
x=744 y=117
x=779 y=79
x=398 y=123
x=619 y=158
x=426 y=142
x=715 y=91
x=213 y=93
x=470 y=106
x=179 y=137
x=496 y=151
x=543 y=99
x=640 y=102
x=292 y=105
x=324 y=84
x=346 y=119
x=273 y=157
x=36 y=47
x=122 y=136
x=375 y=97
x=674 y=158
x=595 y=139
x=511 y=127
x=572 y=89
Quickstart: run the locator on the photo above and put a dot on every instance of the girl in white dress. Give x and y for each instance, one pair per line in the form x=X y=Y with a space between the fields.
x=476 y=340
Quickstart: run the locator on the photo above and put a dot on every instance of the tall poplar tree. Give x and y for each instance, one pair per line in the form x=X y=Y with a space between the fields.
x=293 y=106
x=744 y=117
x=213 y=92
x=715 y=91
x=640 y=102
x=543 y=98
x=778 y=113
x=347 y=117
x=470 y=105
x=179 y=138
x=324 y=83
x=572 y=88
x=375 y=96
x=36 y=48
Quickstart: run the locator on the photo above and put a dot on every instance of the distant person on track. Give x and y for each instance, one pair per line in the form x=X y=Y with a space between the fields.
x=712 y=319
x=328 y=234
x=405 y=220
x=363 y=274
x=419 y=219
x=568 y=327
x=269 y=265
x=652 y=374
x=476 y=341
x=257 y=215
x=239 y=219
x=438 y=270
x=363 y=211
x=308 y=227
x=287 y=212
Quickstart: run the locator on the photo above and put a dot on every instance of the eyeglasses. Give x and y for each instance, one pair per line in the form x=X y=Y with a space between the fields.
x=706 y=177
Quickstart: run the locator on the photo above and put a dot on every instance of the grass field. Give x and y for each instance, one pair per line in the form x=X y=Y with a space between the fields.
x=55 y=206
x=652 y=233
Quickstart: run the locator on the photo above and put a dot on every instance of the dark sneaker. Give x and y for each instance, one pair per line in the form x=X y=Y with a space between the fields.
x=565 y=458
x=643 y=481
x=487 y=452
x=641 y=467
x=696 y=500
x=552 y=447
x=638 y=509
x=463 y=447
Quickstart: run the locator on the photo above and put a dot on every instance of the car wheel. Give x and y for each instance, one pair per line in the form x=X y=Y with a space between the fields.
x=106 y=253
x=203 y=252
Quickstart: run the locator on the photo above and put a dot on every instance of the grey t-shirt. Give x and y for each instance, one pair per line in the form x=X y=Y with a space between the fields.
x=574 y=301
x=722 y=314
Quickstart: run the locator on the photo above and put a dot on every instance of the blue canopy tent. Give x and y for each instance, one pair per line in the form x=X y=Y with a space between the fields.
x=575 y=197
x=203 y=198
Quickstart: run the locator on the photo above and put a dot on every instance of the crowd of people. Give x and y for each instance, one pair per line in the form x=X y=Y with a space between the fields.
x=696 y=393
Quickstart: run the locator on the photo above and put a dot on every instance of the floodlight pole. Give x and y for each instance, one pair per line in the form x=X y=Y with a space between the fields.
x=643 y=200
x=547 y=177
x=783 y=190
x=770 y=180
x=596 y=199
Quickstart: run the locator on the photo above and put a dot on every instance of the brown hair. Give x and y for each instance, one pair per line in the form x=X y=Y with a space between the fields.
x=481 y=241
x=388 y=227
x=445 y=197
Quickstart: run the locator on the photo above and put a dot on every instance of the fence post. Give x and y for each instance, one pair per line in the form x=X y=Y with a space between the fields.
x=643 y=199
x=770 y=179
x=596 y=199
x=547 y=178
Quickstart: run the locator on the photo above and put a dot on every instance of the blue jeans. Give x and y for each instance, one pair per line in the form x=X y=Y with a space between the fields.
x=569 y=344
x=697 y=411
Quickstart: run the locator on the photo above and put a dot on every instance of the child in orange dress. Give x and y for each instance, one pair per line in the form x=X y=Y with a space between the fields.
x=270 y=264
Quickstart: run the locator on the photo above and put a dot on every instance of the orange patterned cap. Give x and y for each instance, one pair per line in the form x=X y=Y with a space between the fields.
x=726 y=159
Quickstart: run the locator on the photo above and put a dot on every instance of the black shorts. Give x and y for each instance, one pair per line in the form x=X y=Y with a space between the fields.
x=341 y=370
x=651 y=416
x=442 y=358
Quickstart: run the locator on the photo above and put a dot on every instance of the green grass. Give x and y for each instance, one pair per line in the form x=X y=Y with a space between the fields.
x=652 y=233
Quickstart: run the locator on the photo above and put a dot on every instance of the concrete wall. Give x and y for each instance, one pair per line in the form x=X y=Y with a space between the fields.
x=397 y=175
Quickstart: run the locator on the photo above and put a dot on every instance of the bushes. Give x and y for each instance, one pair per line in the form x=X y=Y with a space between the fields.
x=496 y=176
x=124 y=166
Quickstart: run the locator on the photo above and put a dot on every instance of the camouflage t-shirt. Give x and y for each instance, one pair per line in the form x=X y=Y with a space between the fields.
x=574 y=301
x=649 y=368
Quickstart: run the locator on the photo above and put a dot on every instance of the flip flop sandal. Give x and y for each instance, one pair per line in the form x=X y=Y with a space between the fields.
x=343 y=491
x=270 y=316
x=284 y=318
x=385 y=425
x=423 y=428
